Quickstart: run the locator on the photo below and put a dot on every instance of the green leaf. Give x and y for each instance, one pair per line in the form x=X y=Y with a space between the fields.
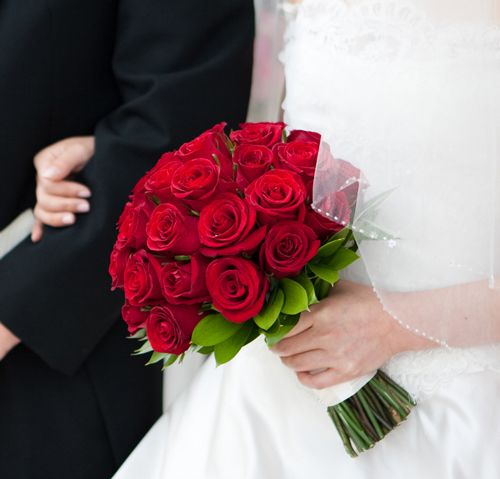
x=269 y=314
x=144 y=349
x=156 y=357
x=214 y=329
x=287 y=323
x=330 y=248
x=322 y=288
x=169 y=361
x=326 y=273
x=141 y=334
x=229 y=348
x=342 y=234
x=343 y=259
x=296 y=299
x=205 y=350
x=308 y=285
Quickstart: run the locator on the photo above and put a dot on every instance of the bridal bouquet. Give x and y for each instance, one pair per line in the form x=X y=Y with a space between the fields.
x=219 y=244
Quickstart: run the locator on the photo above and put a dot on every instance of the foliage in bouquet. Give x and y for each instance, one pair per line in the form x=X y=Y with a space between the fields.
x=219 y=243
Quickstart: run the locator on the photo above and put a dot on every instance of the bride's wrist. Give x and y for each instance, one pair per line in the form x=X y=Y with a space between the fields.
x=402 y=339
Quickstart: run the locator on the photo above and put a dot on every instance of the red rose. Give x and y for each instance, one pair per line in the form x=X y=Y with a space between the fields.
x=132 y=223
x=338 y=206
x=169 y=328
x=210 y=145
x=226 y=227
x=184 y=282
x=253 y=161
x=117 y=263
x=196 y=182
x=135 y=317
x=277 y=195
x=302 y=135
x=298 y=156
x=171 y=229
x=238 y=288
x=288 y=247
x=159 y=180
x=141 y=283
x=266 y=134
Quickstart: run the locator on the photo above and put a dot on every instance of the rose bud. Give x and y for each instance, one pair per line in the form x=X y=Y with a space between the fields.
x=172 y=229
x=288 y=247
x=210 y=145
x=227 y=227
x=141 y=283
x=303 y=135
x=237 y=287
x=338 y=207
x=277 y=195
x=169 y=328
x=266 y=134
x=253 y=161
x=135 y=317
x=159 y=180
x=183 y=282
x=117 y=263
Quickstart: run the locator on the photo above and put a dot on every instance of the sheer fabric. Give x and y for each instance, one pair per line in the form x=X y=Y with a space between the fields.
x=420 y=81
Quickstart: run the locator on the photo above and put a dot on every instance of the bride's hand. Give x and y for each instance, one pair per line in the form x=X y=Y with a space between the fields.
x=58 y=199
x=344 y=337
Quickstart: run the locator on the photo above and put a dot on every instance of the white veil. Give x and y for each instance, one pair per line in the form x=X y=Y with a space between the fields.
x=437 y=174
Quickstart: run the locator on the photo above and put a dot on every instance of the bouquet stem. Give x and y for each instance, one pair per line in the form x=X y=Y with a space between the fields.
x=369 y=415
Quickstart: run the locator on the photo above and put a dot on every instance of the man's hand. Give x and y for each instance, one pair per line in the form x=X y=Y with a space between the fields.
x=57 y=198
x=8 y=341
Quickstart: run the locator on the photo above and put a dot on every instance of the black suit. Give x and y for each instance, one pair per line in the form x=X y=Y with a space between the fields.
x=143 y=76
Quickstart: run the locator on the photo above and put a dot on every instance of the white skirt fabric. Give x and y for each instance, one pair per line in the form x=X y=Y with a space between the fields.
x=251 y=419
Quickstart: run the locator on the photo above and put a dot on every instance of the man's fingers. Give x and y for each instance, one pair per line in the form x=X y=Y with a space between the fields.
x=71 y=160
x=37 y=231
x=60 y=204
x=67 y=189
x=56 y=220
x=59 y=160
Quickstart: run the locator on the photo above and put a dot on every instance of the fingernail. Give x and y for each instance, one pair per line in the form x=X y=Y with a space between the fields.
x=51 y=172
x=68 y=219
x=83 y=207
x=84 y=194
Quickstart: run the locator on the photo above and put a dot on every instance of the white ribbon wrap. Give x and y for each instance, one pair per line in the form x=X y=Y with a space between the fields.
x=336 y=394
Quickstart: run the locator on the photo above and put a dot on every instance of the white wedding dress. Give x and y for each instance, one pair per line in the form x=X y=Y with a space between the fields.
x=251 y=419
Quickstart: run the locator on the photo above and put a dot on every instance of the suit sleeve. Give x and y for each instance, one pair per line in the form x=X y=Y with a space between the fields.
x=181 y=66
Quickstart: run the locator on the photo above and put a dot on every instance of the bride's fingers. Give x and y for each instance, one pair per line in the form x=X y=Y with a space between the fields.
x=68 y=189
x=60 y=204
x=306 y=362
x=321 y=380
x=56 y=220
x=300 y=343
x=304 y=323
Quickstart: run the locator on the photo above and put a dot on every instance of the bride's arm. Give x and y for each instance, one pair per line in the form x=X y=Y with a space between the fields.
x=349 y=334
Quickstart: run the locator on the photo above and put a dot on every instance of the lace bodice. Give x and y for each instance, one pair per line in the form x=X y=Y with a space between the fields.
x=340 y=58
x=394 y=30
